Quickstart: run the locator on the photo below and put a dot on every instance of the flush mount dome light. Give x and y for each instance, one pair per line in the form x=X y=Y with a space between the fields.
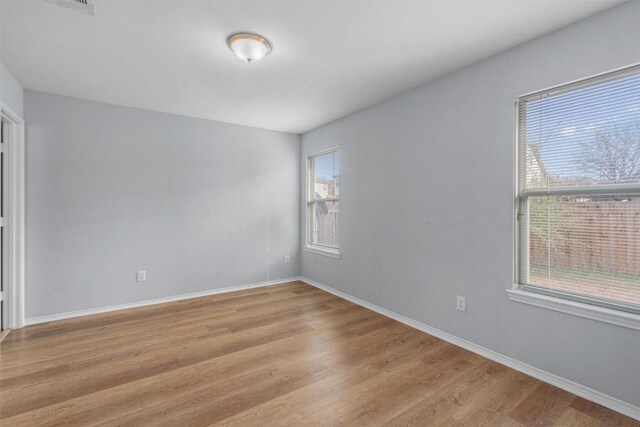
x=248 y=46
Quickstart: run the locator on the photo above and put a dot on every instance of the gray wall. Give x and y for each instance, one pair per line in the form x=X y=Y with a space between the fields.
x=427 y=205
x=11 y=92
x=110 y=190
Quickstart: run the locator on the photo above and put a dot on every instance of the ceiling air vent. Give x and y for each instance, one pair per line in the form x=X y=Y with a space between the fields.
x=84 y=6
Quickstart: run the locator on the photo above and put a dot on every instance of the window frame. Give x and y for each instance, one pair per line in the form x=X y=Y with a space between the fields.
x=581 y=305
x=309 y=246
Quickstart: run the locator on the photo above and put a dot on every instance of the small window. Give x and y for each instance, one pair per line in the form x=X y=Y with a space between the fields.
x=323 y=201
x=579 y=191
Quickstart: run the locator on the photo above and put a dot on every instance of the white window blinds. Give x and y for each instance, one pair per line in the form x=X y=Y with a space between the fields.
x=579 y=190
x=324 y=199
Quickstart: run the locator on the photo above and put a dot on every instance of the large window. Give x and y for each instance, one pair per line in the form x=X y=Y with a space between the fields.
x=323 y=201
x=579 y=191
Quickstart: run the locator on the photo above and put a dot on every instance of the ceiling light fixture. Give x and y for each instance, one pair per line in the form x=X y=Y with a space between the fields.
x=248 y=46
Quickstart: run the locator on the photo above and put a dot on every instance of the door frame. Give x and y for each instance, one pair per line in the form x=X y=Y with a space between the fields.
x=14 y=218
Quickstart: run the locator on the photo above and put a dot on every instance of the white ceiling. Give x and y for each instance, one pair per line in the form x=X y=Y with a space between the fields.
x=330 y=58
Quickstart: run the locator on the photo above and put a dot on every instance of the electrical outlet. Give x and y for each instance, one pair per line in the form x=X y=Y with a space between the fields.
x=286 y=259
x=141 y=275
x=461 y=303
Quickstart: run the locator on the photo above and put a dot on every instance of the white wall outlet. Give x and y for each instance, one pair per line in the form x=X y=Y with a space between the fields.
x=141 y=275
x=461 y=303
x=286 y=259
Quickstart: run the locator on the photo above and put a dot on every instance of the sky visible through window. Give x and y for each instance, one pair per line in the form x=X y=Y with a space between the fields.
x=326 y=166
x=564 y=128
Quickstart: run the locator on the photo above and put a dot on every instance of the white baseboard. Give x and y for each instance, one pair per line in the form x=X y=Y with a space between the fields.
x=87 y=312
x=570 y=386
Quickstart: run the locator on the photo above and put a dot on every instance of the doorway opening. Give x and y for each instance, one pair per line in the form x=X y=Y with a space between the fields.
x=11 y=219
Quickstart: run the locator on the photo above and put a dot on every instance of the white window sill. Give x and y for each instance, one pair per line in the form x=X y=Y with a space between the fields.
x=333 y=253
x=593 y=312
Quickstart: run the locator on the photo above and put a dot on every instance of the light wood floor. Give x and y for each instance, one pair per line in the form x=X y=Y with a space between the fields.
x=282 y=355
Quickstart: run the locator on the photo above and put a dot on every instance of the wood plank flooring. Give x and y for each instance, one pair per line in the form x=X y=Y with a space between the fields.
x=281 y=355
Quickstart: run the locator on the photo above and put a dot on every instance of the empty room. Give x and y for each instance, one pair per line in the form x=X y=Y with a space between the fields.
x=320 y=213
